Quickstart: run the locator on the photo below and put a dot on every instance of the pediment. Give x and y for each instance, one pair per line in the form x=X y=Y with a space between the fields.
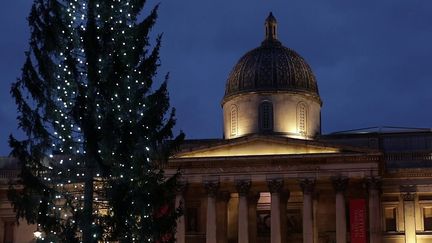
x=262 y=145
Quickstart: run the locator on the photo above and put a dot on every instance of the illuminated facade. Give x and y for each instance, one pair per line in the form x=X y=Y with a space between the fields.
x=275 y=178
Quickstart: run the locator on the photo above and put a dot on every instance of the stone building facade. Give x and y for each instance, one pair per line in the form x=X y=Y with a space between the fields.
x=275 y=178
x=263 y=188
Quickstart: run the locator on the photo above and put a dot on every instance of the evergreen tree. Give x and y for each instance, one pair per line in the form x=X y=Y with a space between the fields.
x=97 y=134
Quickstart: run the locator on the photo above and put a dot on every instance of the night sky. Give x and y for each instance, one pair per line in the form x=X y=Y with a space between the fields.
x=372 y=59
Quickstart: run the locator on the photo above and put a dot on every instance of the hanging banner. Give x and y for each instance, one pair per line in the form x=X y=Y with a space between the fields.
x=358 y=222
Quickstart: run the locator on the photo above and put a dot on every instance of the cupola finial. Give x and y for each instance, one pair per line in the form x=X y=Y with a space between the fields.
x=271 y=27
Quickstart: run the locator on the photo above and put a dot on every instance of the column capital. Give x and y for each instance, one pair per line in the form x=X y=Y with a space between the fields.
x=340 y=183
x=373 y=183
x=275 y=185
x=408 y=196
x=243 y=187
x=408 y=192
x=212 y=188
x=307 y=185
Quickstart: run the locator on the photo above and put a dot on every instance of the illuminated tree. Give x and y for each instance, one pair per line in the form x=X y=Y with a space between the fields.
x=97 y=134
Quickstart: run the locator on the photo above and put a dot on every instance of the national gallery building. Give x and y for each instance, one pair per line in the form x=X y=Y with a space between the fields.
x=274 y=178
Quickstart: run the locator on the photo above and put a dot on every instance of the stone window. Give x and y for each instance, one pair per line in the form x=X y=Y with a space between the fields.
x=234 y=120
x=427 y=218
x=302 y=118
x=390 y=214
x=266 y=116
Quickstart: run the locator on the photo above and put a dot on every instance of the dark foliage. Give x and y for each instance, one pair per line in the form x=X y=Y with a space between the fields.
x=97 y=134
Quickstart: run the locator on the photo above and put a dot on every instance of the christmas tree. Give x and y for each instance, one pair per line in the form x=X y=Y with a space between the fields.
x=97 y=133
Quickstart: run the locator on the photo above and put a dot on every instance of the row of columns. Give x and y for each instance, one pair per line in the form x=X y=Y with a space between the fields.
x=279 y=198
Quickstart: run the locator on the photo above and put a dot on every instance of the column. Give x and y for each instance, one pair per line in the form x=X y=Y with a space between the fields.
x=408 y=195
x=212 y=188
x=243 y=187
x=222 y=216
x=275 y=187
x=340 y=185
x=308 y=186
x=373 y=185
x=2 y=228
x=179 y=203
x=315 y=200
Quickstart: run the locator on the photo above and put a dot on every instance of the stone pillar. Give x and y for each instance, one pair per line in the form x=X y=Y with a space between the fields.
x=275 y=187
x=408 y=195
x=315 y=199
x=180 y=203
x=243 y=187
x=308 y=186
x=212 y=188
x=222 y=217
x=2 y=229
x=373 y=185
x=340 y=185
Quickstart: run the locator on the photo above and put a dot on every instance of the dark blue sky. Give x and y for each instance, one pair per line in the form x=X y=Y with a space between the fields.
x=372 y=59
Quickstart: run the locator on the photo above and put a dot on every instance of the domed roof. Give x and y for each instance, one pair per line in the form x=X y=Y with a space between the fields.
x=271 y=67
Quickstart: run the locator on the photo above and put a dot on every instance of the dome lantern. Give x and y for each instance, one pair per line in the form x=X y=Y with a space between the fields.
x=271 y=27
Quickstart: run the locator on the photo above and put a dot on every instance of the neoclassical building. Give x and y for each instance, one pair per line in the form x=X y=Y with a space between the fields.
x=275 y=178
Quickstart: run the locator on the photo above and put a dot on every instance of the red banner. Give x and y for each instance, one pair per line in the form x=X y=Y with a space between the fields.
x=358 y=222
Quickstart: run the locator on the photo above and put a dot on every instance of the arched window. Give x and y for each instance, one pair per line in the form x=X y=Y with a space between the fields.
x=234 y=120
x=266 y=116
x=302 y=111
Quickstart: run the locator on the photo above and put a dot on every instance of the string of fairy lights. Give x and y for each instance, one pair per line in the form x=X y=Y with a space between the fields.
x=114 y=29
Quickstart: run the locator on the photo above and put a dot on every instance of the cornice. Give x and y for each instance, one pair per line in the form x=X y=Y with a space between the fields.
x=271 y=160
x=415 y=172
x=305 y=94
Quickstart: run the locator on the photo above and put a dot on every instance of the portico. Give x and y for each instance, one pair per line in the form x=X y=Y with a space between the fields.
x=274 y=178
x=266 y=196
